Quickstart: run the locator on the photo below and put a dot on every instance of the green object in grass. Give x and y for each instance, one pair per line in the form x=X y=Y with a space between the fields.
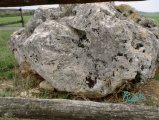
x=135 y=98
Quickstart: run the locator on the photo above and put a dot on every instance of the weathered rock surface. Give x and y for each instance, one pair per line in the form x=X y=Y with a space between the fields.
x=46 y=85
x=88 y=49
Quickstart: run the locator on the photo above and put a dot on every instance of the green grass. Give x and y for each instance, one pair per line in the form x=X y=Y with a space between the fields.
x=11 y=19
x=152 y=15
x=156 y=77
x=10 y=13
x=7 y=60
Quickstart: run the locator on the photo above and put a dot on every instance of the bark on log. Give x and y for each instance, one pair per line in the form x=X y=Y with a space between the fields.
x=8 y=3
x=60 y=109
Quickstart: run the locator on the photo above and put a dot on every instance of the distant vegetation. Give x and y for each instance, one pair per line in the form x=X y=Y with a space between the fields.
x=153 y=15
x=10 y=16
x=9 y=13
x=150 y=13
x=7 y=60
x=15 y=18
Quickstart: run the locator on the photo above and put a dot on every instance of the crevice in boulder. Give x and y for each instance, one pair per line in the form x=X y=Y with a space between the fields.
x=80 y=44
x=150 y=67
x=139 y=45
x=96 y=31
x=113 y=73
x=138 y=20
x=119 y=10
x=137 y=78
x=126 y=56
x=124 y=41
x=120 y=54
x=142 y=67
x=131 y=12
x=114 y=58
x=82 y=40
x=130 y=60
x=136 y=46
x=90 y=82
x=121 y=67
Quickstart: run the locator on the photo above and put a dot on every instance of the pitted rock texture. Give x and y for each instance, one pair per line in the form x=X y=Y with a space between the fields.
x=88 y=49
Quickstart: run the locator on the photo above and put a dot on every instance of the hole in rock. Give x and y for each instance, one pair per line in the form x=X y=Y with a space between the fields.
x=137 y=78
x=113 y=74
x=14 y=49
x=131 y=12
x=138 y=20
x=125 y=15
x=150 y=67
x=119 y=10
x=139 y=45
x=124 y=41
x=120 y=54
x=142 y=67
x=121 y=67
x=90 y=73
x=130 y=60
x=126 y=56
x=80 y=45
x=19 y=33
x=81 y=40
x=73 y=40
x=114 y=58
x=95 y=30
x=90 y=82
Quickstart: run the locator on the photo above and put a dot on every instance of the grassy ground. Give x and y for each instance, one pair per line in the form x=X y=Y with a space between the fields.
x=10 y=13
x=11 y=19
x=152 y=15
x=7 y=60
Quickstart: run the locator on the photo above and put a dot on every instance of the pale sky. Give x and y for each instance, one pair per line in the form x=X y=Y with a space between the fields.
x=145 y=6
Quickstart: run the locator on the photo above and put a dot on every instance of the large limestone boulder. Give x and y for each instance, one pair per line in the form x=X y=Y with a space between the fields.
x=87 y=49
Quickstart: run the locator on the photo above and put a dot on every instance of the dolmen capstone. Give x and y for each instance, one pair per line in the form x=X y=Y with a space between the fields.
x=88 y=49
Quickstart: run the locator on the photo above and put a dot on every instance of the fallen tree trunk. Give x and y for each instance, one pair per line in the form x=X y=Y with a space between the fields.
x=60 y=109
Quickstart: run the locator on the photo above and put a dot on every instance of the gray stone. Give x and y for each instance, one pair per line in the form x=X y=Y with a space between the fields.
x=46 y=85
x=90 y=50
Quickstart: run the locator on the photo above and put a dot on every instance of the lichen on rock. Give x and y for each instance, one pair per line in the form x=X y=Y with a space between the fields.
x=90 y=50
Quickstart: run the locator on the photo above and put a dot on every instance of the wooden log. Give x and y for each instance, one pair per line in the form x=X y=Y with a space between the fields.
x=13 y=3
x=61 y=109
x=8 y=23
